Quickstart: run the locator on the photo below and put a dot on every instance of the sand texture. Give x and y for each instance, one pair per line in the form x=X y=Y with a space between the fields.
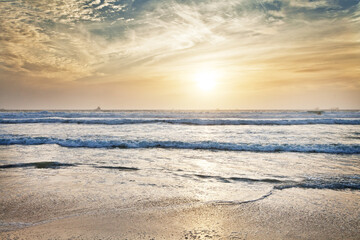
x=290 y=214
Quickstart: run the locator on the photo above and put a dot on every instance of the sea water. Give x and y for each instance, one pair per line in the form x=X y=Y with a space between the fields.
x=57 y=163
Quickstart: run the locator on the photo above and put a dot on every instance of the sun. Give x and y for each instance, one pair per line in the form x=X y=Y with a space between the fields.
x=206 y=80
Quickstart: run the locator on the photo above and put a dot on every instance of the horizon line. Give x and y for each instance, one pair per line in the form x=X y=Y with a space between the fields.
x=153 y=109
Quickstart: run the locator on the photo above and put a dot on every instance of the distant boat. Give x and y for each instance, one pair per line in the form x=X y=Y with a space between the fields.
x=98 y=109
x=318 y=112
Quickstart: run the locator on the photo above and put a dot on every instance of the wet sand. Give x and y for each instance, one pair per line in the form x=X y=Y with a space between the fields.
x=286 y=214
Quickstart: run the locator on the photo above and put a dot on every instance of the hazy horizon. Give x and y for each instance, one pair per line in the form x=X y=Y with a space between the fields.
x=168 y=109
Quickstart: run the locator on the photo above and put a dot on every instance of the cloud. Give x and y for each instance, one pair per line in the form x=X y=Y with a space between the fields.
x=309 y=4
x=52 y=38
x=82 y=40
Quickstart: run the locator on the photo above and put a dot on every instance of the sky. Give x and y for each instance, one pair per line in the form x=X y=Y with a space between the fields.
x=184 y=54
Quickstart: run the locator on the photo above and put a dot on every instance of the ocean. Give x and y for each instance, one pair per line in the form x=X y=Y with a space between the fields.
x=55 y=164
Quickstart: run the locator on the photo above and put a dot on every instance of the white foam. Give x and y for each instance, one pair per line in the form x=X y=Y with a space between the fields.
x=201 y=145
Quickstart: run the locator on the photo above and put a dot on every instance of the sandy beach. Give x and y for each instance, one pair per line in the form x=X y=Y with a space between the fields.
x=289 y=214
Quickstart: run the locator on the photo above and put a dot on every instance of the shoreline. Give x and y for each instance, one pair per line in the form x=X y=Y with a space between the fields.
x=289 y=214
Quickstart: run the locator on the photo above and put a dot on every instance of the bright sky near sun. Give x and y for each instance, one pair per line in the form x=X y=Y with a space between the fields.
x=167 y=54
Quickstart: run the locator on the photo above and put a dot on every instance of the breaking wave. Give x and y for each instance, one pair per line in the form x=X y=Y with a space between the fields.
x=200 y=145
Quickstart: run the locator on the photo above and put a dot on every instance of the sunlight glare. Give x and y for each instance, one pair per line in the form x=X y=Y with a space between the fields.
x=206 y=80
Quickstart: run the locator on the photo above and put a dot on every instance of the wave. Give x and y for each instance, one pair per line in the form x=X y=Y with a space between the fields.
x=334 y=183
x=38 y=165
x=55 y=165
x=201 y=145
x=205 y=122
x=182 y=114
x=351 y=182
x=339 y=183
x=319 y=185
x=235 y=179
x=120 y=168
